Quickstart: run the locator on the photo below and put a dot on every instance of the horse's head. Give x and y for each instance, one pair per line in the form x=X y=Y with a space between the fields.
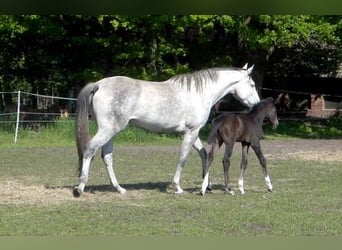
x=245 y=90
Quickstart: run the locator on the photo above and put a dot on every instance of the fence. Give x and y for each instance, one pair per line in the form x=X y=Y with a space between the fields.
x=31 y=110
x=28 y=109
x=305 y=104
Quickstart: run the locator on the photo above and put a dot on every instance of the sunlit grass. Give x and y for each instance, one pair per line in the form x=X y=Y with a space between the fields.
x=306 y=198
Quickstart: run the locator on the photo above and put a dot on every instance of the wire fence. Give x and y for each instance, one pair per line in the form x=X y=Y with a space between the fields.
x=31 y=110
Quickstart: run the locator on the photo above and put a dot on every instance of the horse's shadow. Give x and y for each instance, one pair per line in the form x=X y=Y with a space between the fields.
x=163 y=187
x=159 y=186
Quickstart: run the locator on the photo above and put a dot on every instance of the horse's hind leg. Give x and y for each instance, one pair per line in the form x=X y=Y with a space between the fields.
x=243 y=166
x=94 y=144
x=204 y=158
x=262 y=160
x=210 y=158
x=107 y=156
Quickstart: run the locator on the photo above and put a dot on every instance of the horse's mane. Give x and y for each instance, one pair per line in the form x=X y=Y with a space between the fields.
x=261 y=104
x=198 y=79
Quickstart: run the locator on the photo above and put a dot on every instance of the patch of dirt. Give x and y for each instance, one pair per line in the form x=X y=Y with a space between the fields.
x=15 y=192
x=309 y=150
x=315 y=156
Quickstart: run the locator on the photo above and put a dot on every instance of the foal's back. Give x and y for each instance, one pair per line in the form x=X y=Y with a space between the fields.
x=229 y=128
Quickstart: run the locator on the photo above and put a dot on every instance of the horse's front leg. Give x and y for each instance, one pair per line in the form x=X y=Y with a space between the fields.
x=243 y=166
x=107 y=156
x=188 y=140
x=262 y=160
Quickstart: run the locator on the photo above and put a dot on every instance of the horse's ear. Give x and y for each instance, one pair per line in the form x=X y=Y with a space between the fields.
x=250 y=69
x=245 y=66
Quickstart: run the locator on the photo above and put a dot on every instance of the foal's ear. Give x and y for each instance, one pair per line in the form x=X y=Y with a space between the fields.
x=245 y=66
x=250 y=69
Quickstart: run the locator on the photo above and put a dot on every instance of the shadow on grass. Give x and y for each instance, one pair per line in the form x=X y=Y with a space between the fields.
x=160 y=186
x=163 y=187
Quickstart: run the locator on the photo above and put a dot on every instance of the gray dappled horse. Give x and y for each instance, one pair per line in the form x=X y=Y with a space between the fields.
x=180 y=104
x=247 y=129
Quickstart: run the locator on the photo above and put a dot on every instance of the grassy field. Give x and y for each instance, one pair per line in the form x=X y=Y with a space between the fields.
x=62 y=132
x=36 y=195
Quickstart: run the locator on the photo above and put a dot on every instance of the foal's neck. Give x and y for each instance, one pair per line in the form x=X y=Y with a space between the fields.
x=259 y=116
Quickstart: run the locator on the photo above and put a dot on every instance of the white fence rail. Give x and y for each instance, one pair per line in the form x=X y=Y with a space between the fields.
x=47 y=108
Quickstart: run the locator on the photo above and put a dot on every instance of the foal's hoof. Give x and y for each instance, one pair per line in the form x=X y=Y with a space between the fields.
x=76 y=192
x=270 y=190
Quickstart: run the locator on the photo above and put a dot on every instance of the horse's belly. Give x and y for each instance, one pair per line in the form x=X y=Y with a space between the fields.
x=160 y=126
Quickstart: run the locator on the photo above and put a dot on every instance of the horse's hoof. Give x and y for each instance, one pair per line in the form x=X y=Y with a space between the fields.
x=76 y=192
x=202 y=193
x=209 y=188
x=270 y=190
x=122 y=191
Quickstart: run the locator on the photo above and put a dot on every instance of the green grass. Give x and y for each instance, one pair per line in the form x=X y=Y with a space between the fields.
x=62 y=133
x=37 y=175
x=306 y=200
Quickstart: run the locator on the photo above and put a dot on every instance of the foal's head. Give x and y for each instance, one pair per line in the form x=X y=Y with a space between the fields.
x=267 y=109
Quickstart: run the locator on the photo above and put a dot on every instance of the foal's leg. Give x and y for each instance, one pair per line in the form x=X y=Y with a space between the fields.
x=205 y=183
x=188 y=140
x=107 y=156
x=243 y=166
x=262 y=160
x=226 y=165
x=204 y=157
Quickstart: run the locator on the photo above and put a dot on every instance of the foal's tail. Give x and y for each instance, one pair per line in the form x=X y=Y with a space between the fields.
x=84 y=100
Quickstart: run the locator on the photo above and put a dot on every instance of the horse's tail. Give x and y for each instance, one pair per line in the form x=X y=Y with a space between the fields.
x=84 y=100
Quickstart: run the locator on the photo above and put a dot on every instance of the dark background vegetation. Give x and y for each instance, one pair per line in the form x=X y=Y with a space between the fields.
x=56 y=54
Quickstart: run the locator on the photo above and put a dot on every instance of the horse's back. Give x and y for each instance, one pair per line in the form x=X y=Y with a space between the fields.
x=154 y=106
x=115 y=95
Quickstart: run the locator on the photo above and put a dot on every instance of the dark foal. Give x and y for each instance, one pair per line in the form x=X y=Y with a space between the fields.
x=244 y=128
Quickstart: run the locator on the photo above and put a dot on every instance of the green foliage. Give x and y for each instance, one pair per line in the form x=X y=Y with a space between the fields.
x=39 y=50
x=330 y=128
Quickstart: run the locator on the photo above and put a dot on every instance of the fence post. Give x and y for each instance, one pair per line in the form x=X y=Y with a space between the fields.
x=17 y=123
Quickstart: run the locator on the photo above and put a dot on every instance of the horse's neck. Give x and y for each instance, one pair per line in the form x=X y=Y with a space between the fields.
x=223 y=86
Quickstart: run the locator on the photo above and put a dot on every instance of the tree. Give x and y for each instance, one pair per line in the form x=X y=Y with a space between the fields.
x=260 y=36
x=38 y=51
